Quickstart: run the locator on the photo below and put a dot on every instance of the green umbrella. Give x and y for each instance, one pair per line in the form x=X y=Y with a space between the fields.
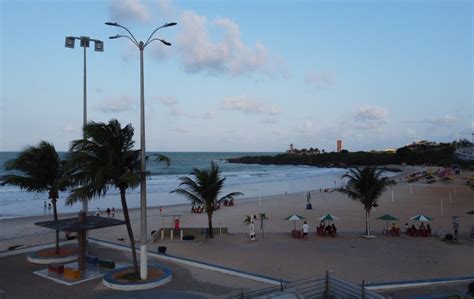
x=327 y=217
x=387 y=218
x=294 y=218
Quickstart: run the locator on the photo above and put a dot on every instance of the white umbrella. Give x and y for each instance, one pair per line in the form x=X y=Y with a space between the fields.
x=294 y=218
x=421 y=218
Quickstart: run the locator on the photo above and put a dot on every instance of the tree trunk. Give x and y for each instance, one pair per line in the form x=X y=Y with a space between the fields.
x=55 y=214
x=209 y=218
x=129 y=230
x=367 y=216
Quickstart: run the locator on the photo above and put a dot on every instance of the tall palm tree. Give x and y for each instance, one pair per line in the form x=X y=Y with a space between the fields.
x=366 y=185
x=38 y=169
x=204 y=190
x=105 y=158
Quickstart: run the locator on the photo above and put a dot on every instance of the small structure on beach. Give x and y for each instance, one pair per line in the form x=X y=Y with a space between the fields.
x=81 y=225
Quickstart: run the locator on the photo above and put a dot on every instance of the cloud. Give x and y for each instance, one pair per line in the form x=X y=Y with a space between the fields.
x=129 y=10
x=167 y=101
x=270 y=121
x=319 y=79
x=225 y=54
x=116 y=105
x=307 y=128
x=248 y=105
x=181 y=130
x=69 y=129
x=166 y=9
x=445 y=121
x=370 y=113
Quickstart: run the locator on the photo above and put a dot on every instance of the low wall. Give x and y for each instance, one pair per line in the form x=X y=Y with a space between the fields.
x=199 y=233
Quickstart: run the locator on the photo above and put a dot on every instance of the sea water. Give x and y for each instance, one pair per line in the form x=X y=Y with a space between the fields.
x=252 y=180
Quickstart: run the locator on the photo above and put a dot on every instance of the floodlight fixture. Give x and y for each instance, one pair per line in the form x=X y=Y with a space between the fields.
x=85 y=41
x=70 y=41
x=99 y=46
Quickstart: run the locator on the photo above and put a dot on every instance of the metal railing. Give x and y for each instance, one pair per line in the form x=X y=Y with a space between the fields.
x=326 y=287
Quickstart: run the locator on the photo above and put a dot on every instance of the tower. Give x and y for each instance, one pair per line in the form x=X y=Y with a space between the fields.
x=338 y=146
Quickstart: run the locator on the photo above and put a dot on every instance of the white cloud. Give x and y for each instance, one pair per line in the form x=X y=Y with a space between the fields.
x=322 y=79
x=367 y=113
x=166 y=9
x=445 y=121
x=226 y=55
x=121 y=104
x=129 y=10
x=245 y=104
x=167 y=101
x=182 y=130
x=307 y=128
x=69 y=129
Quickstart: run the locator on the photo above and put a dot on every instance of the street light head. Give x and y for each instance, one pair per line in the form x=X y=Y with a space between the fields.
x=170 y=24
x=70 y=41
x=112 y=23
x=99 y=46
x=115 y=36
x=165 y=42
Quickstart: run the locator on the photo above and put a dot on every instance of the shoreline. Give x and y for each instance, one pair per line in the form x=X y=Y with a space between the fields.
x=134 y=196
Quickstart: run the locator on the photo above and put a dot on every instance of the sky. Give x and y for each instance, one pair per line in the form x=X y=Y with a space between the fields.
x=241 y=75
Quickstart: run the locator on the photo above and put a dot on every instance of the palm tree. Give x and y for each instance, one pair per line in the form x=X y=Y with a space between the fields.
x=105 y=158
x=366 y=185
x=204 y=190
x=39 y=169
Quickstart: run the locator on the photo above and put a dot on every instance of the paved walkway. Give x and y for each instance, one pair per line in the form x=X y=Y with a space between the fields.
x=18 y=281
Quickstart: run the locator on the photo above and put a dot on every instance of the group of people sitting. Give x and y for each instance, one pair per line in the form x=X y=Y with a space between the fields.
x=394 y=231
x=229 y=202
x=422 y=231
x=199 y=209
x=324 y=230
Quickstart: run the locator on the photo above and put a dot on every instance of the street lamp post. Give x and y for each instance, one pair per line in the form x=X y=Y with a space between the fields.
x=99 y=47
x=143 y=217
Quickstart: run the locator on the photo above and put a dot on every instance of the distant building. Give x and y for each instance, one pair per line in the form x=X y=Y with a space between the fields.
x=303 y=151
x=292 y=150
x=390 y=150
x=339 y=146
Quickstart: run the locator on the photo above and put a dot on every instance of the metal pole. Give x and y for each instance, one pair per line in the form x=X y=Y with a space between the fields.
x=85 y=203
x=143 y=222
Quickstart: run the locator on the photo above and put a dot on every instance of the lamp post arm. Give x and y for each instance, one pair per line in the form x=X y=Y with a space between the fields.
x=158 y=39
x=126 y=36
x=151 y=35
x=134 y=39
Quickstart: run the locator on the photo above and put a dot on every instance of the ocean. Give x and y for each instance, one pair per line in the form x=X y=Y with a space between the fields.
x=252 y=180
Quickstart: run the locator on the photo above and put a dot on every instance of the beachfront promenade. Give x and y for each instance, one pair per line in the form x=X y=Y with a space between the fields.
x=348 y=256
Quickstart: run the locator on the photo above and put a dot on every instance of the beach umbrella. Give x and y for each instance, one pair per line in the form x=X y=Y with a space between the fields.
x=327 y=217
x=387 y=218
x=294 y=218
x=421 y=218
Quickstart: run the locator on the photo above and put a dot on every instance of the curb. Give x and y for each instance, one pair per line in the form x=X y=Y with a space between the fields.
x=417 y=283
x=112 y=283
x=197 y=264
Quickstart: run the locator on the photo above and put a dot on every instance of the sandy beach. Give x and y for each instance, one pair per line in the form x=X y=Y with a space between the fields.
x=280 y=256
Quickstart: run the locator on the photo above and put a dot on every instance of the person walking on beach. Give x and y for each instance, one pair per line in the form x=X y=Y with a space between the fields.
x=113 y=212
x=252 y=227
x=97 y=213
x=305 y=230
x=108 y=212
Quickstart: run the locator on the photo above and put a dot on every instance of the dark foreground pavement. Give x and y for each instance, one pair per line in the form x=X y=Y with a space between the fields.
x=18 y=281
